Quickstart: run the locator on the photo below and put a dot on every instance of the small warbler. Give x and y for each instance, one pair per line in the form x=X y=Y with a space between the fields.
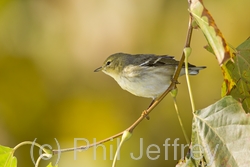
x=145 y=75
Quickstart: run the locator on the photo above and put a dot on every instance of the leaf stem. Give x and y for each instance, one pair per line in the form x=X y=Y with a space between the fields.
x=31 y=143
x=187 y=54
x=125 y=136
x=40 y=157
x=180 y=120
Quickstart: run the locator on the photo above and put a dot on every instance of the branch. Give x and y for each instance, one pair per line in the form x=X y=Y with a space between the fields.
x=146 y=112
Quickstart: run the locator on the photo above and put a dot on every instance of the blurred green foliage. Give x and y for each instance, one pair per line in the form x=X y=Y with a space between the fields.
x=49 y=49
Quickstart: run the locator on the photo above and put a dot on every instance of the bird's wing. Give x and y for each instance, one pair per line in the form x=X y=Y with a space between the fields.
x=154 y=60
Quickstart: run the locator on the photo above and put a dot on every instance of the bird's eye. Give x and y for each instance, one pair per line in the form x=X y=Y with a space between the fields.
x=108 y=63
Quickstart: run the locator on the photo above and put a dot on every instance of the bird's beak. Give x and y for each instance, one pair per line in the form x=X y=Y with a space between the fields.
x=98 y=69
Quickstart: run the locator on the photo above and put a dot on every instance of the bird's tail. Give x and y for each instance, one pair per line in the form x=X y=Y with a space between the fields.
x=193 y=70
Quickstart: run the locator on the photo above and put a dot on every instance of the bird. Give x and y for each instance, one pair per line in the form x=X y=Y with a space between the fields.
x=144 y=75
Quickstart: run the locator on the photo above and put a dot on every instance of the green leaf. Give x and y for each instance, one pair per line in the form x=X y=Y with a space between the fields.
x=50 y=165
x=239 y=70
x=206 y=23
x=6 y=157
x=221 y=132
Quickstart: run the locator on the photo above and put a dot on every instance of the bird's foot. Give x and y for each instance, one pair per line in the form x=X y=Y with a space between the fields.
x=145 y=114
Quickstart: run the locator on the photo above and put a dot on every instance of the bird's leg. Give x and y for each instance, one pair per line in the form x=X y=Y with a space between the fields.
x=147 y=117
x=152 y=102
x=175 y=81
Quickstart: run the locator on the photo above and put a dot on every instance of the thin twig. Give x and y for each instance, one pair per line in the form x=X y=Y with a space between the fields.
x=87 y=146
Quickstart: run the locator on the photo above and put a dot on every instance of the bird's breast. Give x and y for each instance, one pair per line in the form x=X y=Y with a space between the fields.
x=146 y=82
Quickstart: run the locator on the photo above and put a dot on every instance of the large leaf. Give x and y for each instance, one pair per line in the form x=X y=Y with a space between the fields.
x=6 y=157
x=221 y=133
x=239 y=70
